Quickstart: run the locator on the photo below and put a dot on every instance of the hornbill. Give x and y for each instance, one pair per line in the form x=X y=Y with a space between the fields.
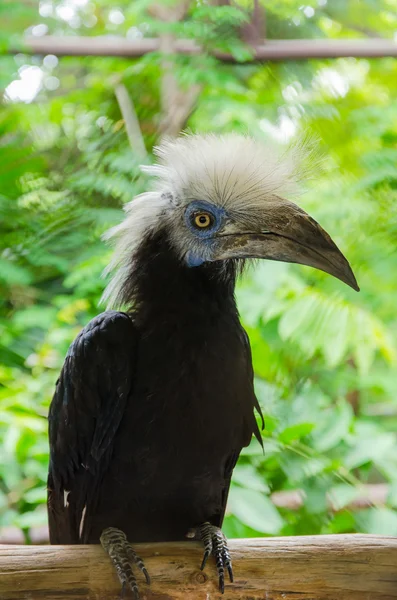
x=154 y=404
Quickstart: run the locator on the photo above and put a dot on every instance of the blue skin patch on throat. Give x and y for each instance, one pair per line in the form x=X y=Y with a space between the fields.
x=194 y=260
x=204 y=236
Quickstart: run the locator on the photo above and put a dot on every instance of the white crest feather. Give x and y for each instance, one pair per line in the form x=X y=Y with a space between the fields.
x=143 y=214
x=234 y=171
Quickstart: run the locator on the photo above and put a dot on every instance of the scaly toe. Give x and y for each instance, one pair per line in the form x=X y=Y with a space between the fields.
x=115 y=543
x=133 y=557
x=215 y=543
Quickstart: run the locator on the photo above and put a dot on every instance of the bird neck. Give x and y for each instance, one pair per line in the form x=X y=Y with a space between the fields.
x=161 y=285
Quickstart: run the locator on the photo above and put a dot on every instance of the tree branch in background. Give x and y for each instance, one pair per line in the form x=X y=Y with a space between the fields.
x=271 y=50
x=177 y=104
x=130 y=118
x=254 y=32
x=177 y=112
x=368 y=495
x=353 y=396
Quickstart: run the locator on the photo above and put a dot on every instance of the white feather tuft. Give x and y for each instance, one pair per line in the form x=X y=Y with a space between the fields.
x=143 y=214
x=82 y=521
x=65 y=498
x=234 y=171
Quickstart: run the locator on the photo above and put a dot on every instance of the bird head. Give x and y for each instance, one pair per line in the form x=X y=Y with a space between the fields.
x=221 y=198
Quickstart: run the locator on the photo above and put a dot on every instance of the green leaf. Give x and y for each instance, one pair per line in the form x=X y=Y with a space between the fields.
x=334 y=428
x=255 y=510
x=315 y=491
x=247 y=476
x=32 y=518
x=374 y=450
x=380 y=521
x=36 y=496
x=392 y=495
x=14 y=274
x=295 y=432
x=342 y=494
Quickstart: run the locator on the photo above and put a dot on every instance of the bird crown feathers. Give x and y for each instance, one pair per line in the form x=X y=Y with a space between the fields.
x=234 y=171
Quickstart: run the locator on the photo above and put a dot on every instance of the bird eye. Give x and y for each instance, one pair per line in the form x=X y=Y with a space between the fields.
x=202 y=220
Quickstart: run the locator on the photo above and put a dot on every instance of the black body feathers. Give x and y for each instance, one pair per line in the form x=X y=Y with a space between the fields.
x=152 y=407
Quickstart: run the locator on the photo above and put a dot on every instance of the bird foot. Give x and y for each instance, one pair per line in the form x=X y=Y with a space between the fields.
x=115 y=543
x=215 y=543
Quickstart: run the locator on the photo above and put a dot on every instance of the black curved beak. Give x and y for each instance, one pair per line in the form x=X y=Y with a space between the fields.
x=289 y=235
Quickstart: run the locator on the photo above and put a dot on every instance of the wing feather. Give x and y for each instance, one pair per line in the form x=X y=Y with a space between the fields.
x=233 y=458
x=88 y=405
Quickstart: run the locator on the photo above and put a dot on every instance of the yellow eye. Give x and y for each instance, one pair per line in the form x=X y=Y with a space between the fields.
x=202 y=220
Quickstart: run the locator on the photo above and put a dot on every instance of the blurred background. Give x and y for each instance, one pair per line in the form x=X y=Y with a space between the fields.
x=73 y=131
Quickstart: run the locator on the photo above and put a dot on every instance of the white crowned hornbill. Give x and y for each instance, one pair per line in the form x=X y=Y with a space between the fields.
x=154 y=404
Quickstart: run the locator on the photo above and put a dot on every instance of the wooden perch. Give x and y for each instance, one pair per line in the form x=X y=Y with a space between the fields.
x=329 y=567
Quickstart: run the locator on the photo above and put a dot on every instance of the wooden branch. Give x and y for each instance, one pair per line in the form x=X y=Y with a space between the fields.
x=175 y=118
x=330 y=567
x=177 y=104
x=170 y=12
x=169 y=88
x=131 y=121
x=270 y=50
x=254 y=31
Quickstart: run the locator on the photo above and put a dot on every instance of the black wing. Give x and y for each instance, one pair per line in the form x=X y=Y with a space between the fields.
x=233 y=458
x=255 y=403
x=86 y=410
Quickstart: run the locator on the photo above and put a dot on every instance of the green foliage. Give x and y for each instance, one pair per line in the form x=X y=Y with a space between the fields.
x=324 y=356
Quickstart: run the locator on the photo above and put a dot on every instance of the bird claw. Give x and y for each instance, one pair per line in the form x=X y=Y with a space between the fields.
x=215 y=543
x=115 y=543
